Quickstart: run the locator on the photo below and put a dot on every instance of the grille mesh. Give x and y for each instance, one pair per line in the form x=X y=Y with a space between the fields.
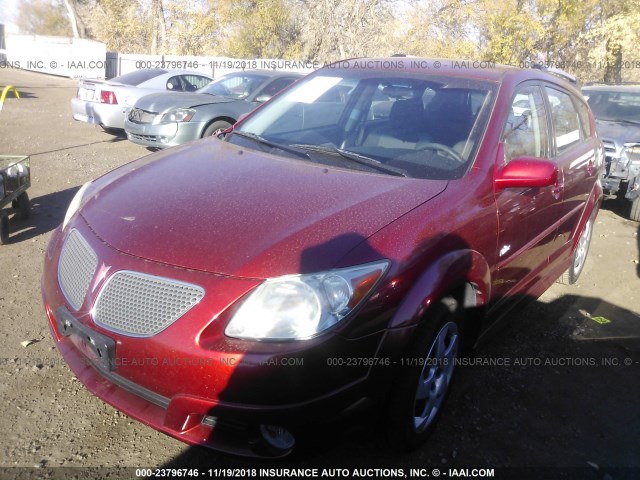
x=142 y=305
x=76 y=267
x=137 y=115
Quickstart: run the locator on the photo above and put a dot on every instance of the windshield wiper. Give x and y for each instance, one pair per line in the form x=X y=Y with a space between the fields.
x=257 y=138
x=355 y=157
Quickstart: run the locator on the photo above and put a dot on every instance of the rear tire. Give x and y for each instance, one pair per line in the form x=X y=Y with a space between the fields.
x=579 y=256
x=634 y=214
x=426 y=377
x=216 y=128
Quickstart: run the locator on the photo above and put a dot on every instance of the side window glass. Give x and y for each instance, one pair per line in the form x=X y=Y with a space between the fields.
x=583 y=113
x=194 y=82
x=566 y=124
x=273 y=88
x=525 y=132
x=173 y=84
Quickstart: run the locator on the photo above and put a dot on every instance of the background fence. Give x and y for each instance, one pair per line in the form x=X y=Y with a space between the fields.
x=79 y=58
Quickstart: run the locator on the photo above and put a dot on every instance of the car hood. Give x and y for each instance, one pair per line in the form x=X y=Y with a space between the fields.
x=216 y=207
x=618 y=132
x=159 y=102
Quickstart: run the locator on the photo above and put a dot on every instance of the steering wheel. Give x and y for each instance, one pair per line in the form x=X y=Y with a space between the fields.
x=448 y=151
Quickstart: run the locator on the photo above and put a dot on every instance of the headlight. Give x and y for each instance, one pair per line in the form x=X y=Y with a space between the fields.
x=296 y=307
x=177 y=115
x=75 y=204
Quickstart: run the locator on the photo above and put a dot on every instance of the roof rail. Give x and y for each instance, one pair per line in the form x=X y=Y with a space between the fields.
x=557 y=73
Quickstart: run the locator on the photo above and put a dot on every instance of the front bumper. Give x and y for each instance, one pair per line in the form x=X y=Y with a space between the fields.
x=163 y=136
x=110 y=116
x=193 y=383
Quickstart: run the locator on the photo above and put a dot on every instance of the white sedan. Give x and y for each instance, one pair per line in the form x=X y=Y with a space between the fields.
x=105 y=102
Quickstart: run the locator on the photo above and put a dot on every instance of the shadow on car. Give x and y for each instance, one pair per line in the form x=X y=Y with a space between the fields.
x=47 y=212
x=538 y=395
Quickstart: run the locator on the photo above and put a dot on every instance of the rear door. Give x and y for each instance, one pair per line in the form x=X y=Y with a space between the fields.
x=574 y=150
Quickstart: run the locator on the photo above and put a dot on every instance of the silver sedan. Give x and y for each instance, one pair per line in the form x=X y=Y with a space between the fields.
x=162 y=120
x=105 y=102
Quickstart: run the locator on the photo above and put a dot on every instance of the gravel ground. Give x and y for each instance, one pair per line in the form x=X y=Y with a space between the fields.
x=563 y=403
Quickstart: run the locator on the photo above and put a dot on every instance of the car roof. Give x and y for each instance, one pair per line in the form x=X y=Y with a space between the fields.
x=473 y=69
x=181 y=71
x=269 y=73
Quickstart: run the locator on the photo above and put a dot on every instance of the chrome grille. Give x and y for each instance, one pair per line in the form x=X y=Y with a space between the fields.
x=138 y=115
x=76 y=268
x=141 y=305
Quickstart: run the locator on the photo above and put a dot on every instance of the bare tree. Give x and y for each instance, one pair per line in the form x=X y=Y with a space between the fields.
x=77 y=25
x=337 y=29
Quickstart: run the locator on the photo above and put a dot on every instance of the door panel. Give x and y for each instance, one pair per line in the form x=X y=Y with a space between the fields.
x=527 y=217
x=576 y=158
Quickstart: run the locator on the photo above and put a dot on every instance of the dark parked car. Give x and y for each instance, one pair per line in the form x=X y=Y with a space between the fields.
x=617 y=112
x=163 y=120
x=334 y=255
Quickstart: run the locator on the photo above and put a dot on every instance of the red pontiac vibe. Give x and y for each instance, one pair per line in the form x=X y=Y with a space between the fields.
x=334 y=253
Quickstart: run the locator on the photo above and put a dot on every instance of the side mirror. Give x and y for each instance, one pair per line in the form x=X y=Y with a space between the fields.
x=526 y=172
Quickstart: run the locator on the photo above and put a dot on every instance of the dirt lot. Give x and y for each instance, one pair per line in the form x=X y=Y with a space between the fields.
x=564 y=403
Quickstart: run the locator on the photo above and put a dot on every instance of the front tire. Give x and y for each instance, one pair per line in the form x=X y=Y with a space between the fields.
x=427 y=375
x=216 y=128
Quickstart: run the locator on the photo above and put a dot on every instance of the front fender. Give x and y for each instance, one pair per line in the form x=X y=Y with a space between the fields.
x=450 y=272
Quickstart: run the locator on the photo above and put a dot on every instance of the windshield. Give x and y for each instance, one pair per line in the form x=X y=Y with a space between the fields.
x=235 y=85
x=393 y=123
x=614 y=106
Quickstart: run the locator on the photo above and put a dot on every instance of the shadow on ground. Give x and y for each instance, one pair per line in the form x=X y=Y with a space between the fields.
x=47 y=212
x=555 y=390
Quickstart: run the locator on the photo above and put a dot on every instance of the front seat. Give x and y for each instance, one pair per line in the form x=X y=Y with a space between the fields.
x=404 y=128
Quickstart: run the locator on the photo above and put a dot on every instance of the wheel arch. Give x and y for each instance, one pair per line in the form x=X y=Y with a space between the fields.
x=224 y=118
x=464 y=274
